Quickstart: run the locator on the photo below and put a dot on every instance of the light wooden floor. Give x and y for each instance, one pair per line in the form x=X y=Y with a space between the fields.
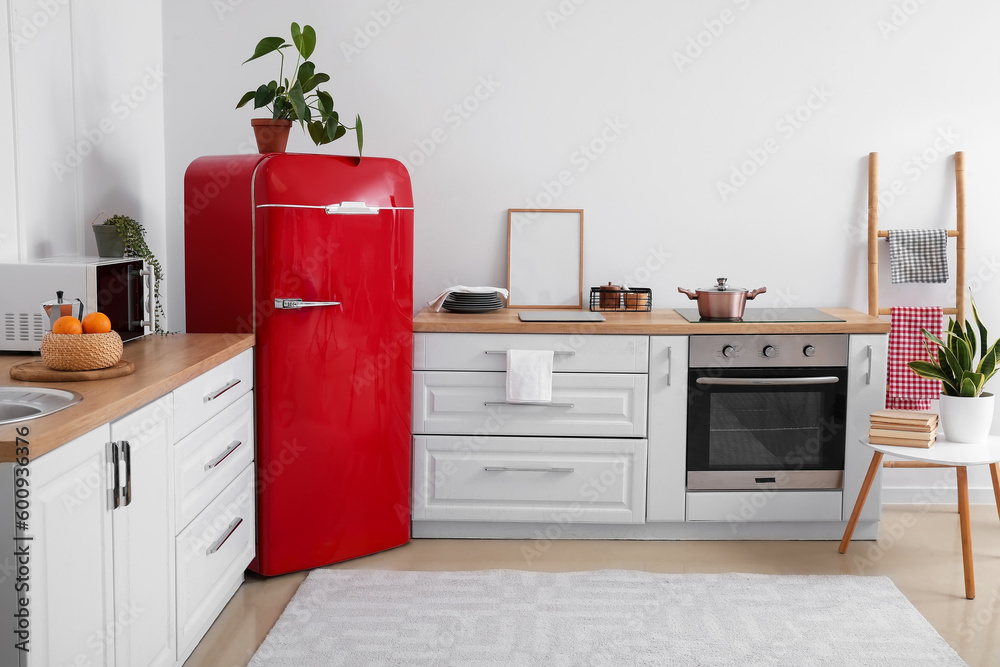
x=919 y=549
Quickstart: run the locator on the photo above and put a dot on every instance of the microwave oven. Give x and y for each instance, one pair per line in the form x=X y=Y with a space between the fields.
x=121 y=288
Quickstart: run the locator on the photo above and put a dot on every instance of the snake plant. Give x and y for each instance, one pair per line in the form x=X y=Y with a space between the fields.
x=956 y=365
x=299 y=97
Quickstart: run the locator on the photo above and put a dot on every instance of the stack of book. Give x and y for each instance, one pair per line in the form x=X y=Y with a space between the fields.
x=903 y=428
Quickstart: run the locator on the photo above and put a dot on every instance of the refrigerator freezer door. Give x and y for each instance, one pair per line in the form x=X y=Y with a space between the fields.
x=334 y=380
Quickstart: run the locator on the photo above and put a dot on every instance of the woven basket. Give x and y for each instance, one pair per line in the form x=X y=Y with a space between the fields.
x=81 y=352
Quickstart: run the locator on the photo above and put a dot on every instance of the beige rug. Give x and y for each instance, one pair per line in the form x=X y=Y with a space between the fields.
x=608 y=617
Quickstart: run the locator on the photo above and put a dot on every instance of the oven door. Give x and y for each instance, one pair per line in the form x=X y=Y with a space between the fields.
x=752 y=428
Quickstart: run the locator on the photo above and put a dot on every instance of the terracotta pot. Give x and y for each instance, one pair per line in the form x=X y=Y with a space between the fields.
x=272 y=135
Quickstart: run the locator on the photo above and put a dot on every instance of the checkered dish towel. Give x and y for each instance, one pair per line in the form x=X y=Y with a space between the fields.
x=905 y=390
x=919 y=255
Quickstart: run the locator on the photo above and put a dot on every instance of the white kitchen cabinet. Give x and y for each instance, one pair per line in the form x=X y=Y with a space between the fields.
x=867 y=359
x=103 y=569
x=579 y=460
x=667 y=477
x=213 y=494
x=113 y=528
x=71 y=576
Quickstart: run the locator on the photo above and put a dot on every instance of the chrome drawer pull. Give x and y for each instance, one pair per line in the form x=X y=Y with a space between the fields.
x=567 y=353
x=222 y=457
x=222 y=540
x=127 y=489
x=541 y=405
x=229 y=385
x=295 y=304
x=868 y=374
x=742 y=382
x=512 y=469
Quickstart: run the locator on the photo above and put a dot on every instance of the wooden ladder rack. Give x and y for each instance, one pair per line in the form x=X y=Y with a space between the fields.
x=874 y=234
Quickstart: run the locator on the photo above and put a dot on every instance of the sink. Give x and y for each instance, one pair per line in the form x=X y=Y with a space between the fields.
x=19 y=404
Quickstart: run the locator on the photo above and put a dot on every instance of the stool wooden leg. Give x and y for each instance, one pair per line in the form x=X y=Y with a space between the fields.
x=860 y=504
x=995 y=474
x=964 y=520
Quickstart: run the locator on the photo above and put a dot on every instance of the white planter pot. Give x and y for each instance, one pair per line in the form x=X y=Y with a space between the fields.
x=966 y=419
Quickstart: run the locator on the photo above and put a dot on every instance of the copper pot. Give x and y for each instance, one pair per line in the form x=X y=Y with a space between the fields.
x=721 y=302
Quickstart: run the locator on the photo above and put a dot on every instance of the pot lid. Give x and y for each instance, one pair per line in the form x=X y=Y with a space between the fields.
x=721 y=286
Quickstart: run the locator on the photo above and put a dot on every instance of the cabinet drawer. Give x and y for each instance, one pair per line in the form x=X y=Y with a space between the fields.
x=212 y=554
x=737 y=507
x=211 y=392
x=554 y=480
x=209 y=459
x=574 y=353
x=587 y=404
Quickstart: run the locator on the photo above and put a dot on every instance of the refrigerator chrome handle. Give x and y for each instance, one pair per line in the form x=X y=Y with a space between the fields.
x=295 y=304
x=351 y=208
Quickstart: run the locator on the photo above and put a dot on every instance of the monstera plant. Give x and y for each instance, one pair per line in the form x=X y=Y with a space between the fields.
x=298 y=96
x=956 y=365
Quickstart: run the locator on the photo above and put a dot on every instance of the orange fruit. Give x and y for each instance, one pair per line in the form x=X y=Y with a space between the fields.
x=95 y=323
x=67 y=324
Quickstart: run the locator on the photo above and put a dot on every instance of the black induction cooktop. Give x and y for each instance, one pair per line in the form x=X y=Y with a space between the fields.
x=765 y=315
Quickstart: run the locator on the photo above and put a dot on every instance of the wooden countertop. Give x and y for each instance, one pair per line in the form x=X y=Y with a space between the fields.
x=661 y=322
x=162 y=363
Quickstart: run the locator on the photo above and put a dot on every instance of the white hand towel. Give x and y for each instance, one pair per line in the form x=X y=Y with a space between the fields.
x=529 y=376
x=437 y=301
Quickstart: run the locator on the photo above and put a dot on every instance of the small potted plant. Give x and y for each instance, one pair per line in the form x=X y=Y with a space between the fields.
x=966 y=410
x=296 y=98
x=122 y=236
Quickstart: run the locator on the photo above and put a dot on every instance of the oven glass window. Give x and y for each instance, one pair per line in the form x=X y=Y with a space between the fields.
x=767 y=430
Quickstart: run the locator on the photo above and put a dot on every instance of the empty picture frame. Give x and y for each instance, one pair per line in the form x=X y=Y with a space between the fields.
x=545 y=258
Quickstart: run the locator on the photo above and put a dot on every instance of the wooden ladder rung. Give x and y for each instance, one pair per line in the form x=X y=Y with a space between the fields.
x=884 y=233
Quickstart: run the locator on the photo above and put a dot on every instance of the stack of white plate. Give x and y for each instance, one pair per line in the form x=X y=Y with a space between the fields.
x=472 y=302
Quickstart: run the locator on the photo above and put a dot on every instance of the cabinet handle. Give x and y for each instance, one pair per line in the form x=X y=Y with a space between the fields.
x=127 y=454
x=115 y=490
x=670 y=365
x=229 y=385
x=541 y=405
x=565 y=353
x=868 y=375
x=297 y=304
x=222 y=457
x=512 y=469
x=222 y=540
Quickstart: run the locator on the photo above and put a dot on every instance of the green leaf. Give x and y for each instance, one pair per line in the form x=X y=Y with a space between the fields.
x=361 y=136
x=306 y=71
x=246 y=98
x=335 y=131
x=325 y=103
x=304 y=40
x=315 y=81
x=970 y=336
x=316 y=132
x=979 y=325
x=967 y=388
x=266 y=46
x=926 y=369
x=950 y=363
x=961 y=349
x=298 y=100
x=931 y=337
x=263 y=97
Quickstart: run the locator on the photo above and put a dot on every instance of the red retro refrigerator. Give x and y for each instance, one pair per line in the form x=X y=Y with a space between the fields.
x=313 y=254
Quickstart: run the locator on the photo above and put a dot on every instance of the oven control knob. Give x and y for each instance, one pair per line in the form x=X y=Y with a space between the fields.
x=770 y=351
x=729 y=351
x=809 y=351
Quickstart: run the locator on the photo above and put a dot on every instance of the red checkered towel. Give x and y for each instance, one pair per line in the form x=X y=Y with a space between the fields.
x=905 y=390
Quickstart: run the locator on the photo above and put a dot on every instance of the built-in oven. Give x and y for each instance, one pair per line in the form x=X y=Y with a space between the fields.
x=767 y=411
